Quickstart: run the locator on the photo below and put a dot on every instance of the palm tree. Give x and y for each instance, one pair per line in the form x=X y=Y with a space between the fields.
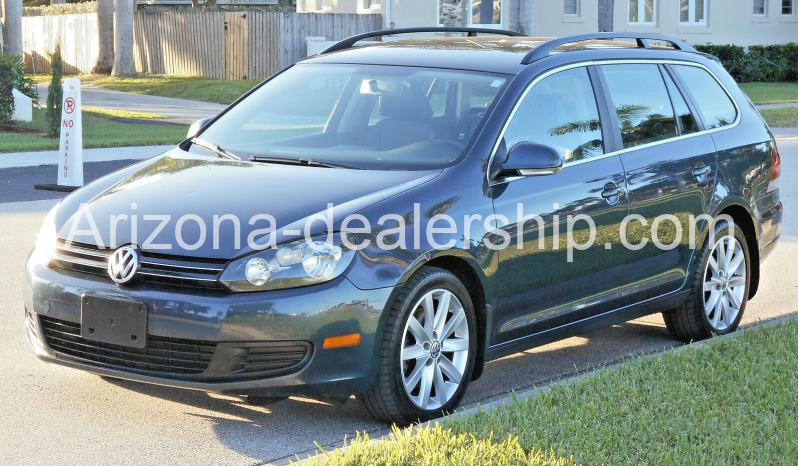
x=12 y=27
x=124 y=64
x=105 y=26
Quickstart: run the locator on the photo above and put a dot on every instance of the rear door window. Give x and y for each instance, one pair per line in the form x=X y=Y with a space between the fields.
x=714 y=105
x=560 y=111
x=686 y=120
x=642 y=103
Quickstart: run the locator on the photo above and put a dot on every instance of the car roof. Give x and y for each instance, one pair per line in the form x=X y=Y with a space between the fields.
x=486 y=53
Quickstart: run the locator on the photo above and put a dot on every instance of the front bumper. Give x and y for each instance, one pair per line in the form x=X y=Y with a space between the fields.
x=230 y=322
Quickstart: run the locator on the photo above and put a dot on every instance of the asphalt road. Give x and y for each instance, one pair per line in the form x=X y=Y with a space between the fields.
x=55 y=415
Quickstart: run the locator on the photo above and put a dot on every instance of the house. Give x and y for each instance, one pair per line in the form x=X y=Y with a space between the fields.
x=741 y=22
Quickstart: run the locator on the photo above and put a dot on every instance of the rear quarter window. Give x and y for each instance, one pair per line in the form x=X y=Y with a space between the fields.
x=713 y=104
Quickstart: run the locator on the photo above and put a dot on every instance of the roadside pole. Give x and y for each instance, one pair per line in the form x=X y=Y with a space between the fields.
x=70 y=152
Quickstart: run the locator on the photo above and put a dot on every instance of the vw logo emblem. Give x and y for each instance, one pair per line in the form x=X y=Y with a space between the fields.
x=123 y=264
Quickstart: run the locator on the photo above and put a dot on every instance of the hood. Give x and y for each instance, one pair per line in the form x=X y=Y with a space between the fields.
x=186 y=190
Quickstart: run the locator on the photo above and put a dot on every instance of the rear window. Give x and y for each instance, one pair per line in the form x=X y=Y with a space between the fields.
x=714 y=105
x=687 y=123
x=642 y=103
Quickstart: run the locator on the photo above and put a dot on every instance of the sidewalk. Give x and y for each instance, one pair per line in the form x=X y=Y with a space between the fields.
x=177 y=110
x=33 y=159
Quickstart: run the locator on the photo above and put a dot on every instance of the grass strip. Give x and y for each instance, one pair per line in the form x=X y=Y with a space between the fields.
x=731 y=401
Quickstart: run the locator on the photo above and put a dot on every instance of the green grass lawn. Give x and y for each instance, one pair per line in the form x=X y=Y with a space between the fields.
x=101 y=128
x=781 y=117
x=731 y=401
x=771 y=93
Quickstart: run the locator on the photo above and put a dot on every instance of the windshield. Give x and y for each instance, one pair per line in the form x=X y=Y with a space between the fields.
x=363 y=116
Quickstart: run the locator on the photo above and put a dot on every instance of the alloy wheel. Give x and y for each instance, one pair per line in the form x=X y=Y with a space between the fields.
x=724 y=283
x=434 y=351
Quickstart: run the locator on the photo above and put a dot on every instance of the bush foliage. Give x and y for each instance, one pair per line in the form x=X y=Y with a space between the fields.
x=62 y=9
x=12 y=76
x=760 y=63
x=6 y=93
x=55 y=94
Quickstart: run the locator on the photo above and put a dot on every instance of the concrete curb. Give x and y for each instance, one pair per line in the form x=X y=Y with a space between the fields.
x=33 y=159
x=499 y=401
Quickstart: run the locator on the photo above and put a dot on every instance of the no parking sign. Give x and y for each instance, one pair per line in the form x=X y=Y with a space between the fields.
x=70 y=155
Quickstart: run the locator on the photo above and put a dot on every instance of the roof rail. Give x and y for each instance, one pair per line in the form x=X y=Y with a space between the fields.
x=544 y=50
x=349 y=42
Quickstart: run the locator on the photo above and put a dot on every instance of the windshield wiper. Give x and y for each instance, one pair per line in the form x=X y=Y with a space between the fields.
x=303 y=161
x=215 y=149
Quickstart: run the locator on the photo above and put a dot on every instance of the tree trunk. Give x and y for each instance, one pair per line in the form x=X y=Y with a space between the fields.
x=486 y=12
x=105 y=26
x=124 y=64
x=12 y=26
x=606 y=12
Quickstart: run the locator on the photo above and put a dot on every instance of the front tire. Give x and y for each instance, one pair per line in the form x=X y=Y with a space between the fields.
x=427 y=350
x=720 y=288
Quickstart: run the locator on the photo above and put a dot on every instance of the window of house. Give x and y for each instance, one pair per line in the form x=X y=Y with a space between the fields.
x=714 y=105
x=571 y=8
x=644 y=109
x=642 y=11
x=787 y=7
x=485 y=13
x=693 y=12
x=323 y=4
x=570 y=124
x=367 y=4
x=759 y=7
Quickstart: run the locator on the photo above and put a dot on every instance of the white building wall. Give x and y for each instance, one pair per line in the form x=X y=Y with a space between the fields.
x=728 y=21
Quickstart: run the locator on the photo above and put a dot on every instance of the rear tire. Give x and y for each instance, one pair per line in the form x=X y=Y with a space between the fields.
x=424 y=363
x=720 y=285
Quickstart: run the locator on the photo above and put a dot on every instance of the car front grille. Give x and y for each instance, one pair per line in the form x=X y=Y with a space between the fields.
x=156 y=268
x=163 y=357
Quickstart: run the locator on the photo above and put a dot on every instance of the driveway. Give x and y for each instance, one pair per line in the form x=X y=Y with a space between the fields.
x=55 y=415
x=177 y=110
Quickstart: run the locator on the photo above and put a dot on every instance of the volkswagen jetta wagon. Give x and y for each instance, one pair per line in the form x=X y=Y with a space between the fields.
x=382 y=220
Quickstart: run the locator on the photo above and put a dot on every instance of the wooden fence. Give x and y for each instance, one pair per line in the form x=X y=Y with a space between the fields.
x=222 y=45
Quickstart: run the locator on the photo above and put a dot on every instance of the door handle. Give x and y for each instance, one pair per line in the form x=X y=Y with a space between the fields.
x=701 y=171
x=611 y=192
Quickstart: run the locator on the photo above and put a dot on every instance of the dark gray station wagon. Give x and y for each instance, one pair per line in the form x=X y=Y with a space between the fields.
x=637 y=134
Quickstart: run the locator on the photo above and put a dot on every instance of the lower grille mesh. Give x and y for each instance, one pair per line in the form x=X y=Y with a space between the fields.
x=162 y=356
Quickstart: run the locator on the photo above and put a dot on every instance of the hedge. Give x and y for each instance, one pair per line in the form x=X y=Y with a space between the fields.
x=61 y=9
x=760 y=63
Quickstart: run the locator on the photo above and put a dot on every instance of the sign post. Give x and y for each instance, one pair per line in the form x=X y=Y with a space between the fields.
x=70 y=152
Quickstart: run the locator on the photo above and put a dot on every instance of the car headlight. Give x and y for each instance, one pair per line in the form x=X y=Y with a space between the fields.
x=290 y=265
x=46 y=238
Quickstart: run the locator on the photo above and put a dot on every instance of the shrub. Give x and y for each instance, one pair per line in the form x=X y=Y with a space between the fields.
x=22 y=82
x=6 y=92
x=55 y=94
x=12 y=76
x=760 y=63
x=62 y=9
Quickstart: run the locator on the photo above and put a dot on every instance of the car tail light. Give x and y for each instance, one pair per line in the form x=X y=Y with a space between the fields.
x=775 y=172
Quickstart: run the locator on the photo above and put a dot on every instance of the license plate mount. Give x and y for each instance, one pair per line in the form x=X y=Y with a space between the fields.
x=113 y=321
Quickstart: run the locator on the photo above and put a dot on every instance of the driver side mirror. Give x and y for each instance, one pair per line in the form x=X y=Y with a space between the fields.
x=530 y=159
x=195 y=127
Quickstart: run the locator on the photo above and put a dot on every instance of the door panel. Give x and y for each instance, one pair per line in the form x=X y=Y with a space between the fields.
x=666 y=174
x=540 y=287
